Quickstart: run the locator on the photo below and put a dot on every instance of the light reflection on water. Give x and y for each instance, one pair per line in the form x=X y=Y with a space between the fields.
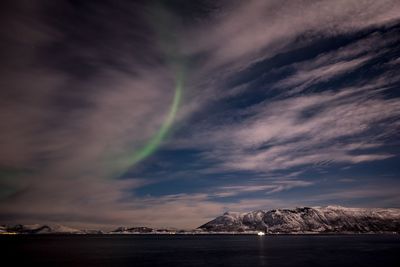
x=262 y=251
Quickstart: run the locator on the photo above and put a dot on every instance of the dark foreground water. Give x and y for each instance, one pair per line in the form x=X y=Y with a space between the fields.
x=201 y=250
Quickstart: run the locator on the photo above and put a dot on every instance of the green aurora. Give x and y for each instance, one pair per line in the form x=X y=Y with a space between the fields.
x=156 y=140
x=163 y=28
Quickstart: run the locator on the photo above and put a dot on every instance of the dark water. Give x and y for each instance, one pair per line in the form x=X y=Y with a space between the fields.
x=201 y=250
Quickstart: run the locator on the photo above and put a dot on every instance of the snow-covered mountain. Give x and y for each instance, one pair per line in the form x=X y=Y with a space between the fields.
x=331 y=219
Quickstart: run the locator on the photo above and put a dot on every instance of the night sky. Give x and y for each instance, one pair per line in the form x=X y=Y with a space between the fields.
x=169 y=113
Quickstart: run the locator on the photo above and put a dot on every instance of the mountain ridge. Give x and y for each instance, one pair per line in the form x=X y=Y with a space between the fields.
x=330 y=219
x=309 y=220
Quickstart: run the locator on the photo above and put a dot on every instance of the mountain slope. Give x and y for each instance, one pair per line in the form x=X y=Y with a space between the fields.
x=333 y=219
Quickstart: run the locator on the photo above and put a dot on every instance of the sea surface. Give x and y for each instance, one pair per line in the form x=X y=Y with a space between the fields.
x=201 y=250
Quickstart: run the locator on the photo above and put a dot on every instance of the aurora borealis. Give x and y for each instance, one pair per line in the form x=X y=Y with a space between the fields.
x=167 y=113
x=155 y=141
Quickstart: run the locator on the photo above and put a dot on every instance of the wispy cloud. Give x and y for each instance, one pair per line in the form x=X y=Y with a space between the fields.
x=272 y=187
x=241 y=32
x=323 y=127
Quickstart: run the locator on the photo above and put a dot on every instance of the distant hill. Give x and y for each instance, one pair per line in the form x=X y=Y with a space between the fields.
x=39 y=229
